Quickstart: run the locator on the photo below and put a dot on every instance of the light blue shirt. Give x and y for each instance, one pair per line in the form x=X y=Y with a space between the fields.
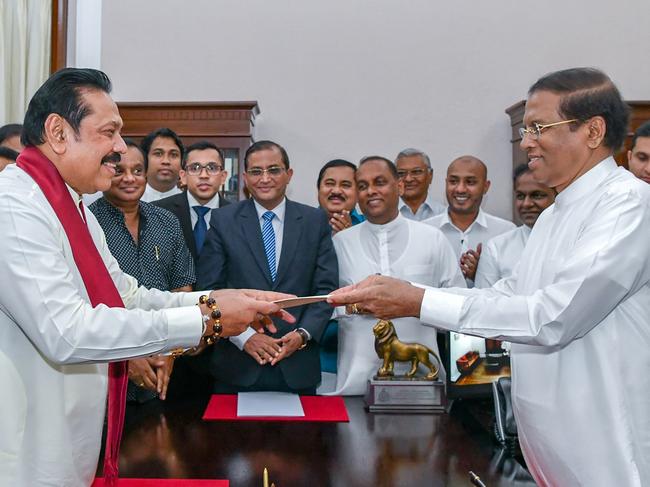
x=277 y=222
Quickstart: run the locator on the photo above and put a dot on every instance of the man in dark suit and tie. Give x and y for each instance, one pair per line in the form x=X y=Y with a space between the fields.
x=269 y=242
x=203 y=172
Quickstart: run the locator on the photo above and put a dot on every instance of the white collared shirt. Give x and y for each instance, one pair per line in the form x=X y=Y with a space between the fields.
x=212 y=204
x=428 y=209
x=54 y=343
x=481 y=230
x=151 y=194
x=501 y=255
x=401 y=248
x=577 y=310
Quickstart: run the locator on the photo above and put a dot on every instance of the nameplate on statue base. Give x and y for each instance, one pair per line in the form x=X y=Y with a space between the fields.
x=402 y=395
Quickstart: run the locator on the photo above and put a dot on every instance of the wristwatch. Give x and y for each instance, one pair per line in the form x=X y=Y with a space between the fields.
x=304 y=335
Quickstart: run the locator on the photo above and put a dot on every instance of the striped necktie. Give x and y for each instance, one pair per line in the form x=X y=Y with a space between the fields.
x=268 y=238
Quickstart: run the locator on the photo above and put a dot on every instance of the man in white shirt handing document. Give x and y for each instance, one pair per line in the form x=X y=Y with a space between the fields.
x=66 y=307
x=578 y=306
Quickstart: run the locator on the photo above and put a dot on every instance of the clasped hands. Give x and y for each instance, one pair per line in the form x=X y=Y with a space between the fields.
x=241 y=308
x=268 y=350
x=152 y=373
x=469 y=262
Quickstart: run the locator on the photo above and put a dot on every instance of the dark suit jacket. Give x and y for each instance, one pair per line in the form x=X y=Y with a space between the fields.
x=190 y=377
x=180 y=207
x=233 y=257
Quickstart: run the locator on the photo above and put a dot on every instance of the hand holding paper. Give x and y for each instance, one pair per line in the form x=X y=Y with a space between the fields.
x=241 y=308
x=381 y=296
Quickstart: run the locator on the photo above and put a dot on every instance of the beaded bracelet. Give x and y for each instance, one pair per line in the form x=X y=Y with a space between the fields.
x=215 y=315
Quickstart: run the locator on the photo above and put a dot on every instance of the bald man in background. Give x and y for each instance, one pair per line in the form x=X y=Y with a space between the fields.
x=464 y=223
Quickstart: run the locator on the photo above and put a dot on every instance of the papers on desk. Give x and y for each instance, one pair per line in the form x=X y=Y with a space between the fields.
x=327 y=409
x=277 y=404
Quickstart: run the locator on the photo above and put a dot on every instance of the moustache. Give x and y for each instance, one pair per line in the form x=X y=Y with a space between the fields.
x=113 y=157
x=336 y=196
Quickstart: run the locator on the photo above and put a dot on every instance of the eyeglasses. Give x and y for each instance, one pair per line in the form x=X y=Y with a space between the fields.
x=273 y=171
x=196 y=168
x=415 y=173
x=536 y=130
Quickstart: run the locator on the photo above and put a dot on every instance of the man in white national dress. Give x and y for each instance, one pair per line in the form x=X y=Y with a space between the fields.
x=62 y=308
x=578 y=306
x=392 y=245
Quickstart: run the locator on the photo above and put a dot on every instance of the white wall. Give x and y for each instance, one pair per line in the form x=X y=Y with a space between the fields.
x=347 y=78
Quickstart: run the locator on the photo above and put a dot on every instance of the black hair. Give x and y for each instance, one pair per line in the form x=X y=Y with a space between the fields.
x=201 y=145
x=10 y=130
x=164 y=132
x=8 y=153
x=586 y=93
x=266 y=145
x=642 y=131
x=334 y=163
x=519 y=170
x=61 y=94
x=389 y=163
x=132 y=143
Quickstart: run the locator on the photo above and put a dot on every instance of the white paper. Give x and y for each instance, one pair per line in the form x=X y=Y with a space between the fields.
x=292 y=302
x=269 y=404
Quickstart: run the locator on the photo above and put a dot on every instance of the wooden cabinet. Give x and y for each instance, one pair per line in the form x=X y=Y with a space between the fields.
x=229 y=125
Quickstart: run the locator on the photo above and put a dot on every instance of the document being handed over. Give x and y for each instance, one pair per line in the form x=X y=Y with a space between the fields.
x=293 y=302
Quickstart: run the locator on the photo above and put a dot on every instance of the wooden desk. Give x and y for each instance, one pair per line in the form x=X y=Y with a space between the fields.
x=378 y=450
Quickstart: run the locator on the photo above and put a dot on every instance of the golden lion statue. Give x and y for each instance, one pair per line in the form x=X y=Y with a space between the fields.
x=390 y=349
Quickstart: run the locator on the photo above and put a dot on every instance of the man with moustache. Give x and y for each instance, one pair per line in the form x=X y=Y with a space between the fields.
x=415 y=171
x=66 y=307
x=390 y=245
x=501 y=254
x=148 y=244
x=577 y=307
x=638 y=157
x=337 y=194
x=464 y=223
x=203 y=174
x=163 y=151
x=270 y=242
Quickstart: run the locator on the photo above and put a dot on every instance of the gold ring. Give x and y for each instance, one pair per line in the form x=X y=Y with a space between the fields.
x=355 y=309
x=141 y=384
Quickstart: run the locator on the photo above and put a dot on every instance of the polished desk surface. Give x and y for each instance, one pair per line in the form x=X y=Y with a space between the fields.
x=379 y=450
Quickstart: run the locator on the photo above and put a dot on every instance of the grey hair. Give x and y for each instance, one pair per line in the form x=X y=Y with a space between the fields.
x=410 y=152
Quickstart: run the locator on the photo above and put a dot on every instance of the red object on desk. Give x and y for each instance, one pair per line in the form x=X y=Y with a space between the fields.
x=122 y=482
x=325 y=409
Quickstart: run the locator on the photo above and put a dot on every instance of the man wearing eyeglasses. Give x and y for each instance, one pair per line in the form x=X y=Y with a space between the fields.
x=270 y=242
x=576 y=308
x=203 y=174
x=414 y=169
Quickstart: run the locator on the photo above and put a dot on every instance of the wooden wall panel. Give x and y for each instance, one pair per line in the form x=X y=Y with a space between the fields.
x=230 y=125
x=59 y=35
